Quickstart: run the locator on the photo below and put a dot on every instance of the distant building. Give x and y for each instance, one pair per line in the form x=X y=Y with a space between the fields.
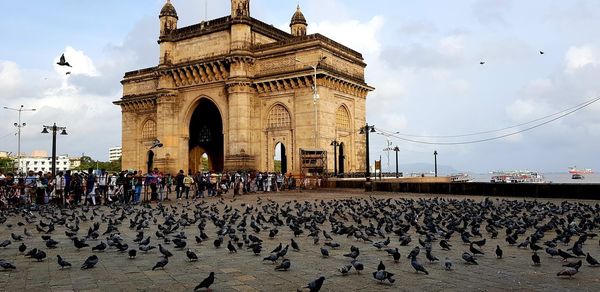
x=4 y=154
x=114 y=153
x=39 y=161
x=75 y=162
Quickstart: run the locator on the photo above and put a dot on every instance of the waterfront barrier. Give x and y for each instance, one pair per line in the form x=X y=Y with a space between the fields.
x=536 y=190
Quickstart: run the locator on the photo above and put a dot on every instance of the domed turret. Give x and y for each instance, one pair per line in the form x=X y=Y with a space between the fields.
x=168 y=18
x=168 y=10
x=298 y=23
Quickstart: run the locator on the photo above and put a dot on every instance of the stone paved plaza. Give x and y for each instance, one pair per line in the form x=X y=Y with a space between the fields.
x=243 y=271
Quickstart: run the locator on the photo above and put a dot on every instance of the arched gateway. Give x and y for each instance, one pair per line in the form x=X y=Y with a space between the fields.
x=231 y=89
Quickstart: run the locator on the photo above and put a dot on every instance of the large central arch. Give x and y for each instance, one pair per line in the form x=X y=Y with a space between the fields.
x=206 y=136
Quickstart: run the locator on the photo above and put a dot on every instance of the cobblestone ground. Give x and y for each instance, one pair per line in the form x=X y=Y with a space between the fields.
x=245 y=272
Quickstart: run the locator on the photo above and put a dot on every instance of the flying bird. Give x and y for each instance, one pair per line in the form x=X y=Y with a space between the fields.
x=63 y=61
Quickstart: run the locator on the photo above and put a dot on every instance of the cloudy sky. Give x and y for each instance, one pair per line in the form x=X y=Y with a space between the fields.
x=423 y=57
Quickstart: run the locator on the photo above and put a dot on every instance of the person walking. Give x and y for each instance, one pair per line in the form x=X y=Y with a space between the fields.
x=59 y=188
x=187 y=184
x=102 y=188
x=179 y=187
x=138 y=182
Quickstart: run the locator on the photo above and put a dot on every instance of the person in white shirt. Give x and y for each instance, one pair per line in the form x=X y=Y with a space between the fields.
x=59 y=187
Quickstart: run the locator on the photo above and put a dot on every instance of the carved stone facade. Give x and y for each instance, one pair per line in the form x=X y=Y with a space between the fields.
x=234 y=87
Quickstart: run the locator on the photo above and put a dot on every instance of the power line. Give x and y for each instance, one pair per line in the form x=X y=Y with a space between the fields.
x=502 y=129
x=573 y=110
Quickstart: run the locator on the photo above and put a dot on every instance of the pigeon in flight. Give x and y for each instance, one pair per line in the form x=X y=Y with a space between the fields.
x=63 y=61
x=542 y=52
x=482 y=63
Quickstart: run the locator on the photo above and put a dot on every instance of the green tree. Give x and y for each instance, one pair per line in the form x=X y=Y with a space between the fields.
x=7 y=164
x=87 y=163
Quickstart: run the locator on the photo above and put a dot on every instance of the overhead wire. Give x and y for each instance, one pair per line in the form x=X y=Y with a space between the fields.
x=564 y=114
x=502 y=129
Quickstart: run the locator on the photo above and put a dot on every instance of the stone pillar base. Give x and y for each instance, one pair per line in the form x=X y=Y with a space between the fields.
x=240 y=162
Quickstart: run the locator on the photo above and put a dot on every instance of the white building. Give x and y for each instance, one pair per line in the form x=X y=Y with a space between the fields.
x=114 y=153
x=43 y=163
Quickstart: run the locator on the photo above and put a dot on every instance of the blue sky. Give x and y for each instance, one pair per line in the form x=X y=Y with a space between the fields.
x=423 y=58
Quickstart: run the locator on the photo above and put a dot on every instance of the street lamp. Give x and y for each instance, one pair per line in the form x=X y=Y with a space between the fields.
x=54 y=129
x=315 y=95
x=435 y=161
x=366 y=130
x=334 y=143
x=19 y=125
x=396 y=149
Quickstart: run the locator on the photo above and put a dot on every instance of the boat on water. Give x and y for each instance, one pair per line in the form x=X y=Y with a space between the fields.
x=517 y=177
x=577 y=176
x=574 y=170
x=460 y=177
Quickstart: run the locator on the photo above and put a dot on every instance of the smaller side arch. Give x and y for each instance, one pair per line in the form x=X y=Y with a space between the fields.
x=279 y=117
x=342 y=118
x=148 y=129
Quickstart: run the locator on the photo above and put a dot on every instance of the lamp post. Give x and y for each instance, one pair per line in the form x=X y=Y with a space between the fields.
x=315 y=95
x=54 y=129
x=316 y=98
x=366 y=130
x=396 y=149
x=19 y=125
x=435 y=161
x=334 y=143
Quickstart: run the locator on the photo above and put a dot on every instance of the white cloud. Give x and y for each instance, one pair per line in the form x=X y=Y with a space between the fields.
x=579 y=57
x=10 y=75
x=80 y=63
x=359 y=36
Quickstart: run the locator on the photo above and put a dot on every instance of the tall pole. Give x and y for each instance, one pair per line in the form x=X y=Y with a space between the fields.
x=396 y=149
x=435 y=161
x=367 y=168
x=334 y=143
x=19 y=126
x=54 y=150
x=315 y=98
x=54 y=129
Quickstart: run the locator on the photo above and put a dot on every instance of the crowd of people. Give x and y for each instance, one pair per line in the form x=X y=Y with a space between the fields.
x=101 y=187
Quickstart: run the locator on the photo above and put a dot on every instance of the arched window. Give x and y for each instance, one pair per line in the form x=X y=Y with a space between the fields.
x=149 y=130
x=279 y=117
x=342 y=118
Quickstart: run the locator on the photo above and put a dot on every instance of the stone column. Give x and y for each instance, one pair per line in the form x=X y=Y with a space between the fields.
x=239 y=153
x=129 y=138
x=167 y=131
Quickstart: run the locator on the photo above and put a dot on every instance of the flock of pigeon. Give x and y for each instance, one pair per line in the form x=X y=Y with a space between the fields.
x=370 y=223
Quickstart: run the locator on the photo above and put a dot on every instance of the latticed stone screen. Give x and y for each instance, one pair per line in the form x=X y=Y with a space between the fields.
x=342 y=118
x=149 y=130
x=279 y=117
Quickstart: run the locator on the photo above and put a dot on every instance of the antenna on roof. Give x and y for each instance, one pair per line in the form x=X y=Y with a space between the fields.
x=206 y=10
